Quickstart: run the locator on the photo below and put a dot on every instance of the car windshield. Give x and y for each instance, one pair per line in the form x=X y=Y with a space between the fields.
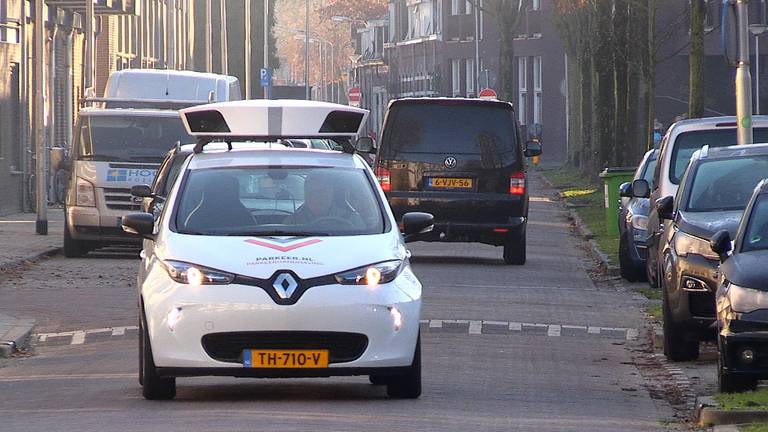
x=130 y=138
x=279 y=201
x=756 y=235
x=725 y=184
x=687 y=143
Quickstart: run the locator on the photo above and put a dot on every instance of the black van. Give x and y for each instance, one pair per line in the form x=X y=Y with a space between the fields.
x=462 y=161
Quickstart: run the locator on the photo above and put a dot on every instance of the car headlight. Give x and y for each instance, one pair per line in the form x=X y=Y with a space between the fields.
x=372 y=275
x=745 y=300
x=686 y=244
x=85 y=195
x=640 y=222
x=195 y=275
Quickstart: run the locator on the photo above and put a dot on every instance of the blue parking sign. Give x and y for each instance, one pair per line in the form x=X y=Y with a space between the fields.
x=266 y=77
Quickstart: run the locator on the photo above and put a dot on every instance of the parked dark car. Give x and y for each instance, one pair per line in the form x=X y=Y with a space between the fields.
x=633 y=222
x=713 y=193
x=742 y=298
x=461 y=160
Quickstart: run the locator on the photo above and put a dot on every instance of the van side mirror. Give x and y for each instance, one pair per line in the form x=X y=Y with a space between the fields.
x=142 y=191
x=365 y=145
x=532 y=148
x=641 y=189
x=625 y=190
x=142 y=224
x=416 y=224
x=721 y=244
x=664 y=207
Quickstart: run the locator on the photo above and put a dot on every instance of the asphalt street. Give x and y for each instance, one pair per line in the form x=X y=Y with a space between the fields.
x=533 y=348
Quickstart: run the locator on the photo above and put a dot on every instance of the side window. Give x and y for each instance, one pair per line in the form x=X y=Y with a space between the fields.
x=660 y=161
x=161 y=173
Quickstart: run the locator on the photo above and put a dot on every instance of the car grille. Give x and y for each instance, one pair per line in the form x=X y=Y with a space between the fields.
x=702 y=304
x=120 y=199
x=228 y=347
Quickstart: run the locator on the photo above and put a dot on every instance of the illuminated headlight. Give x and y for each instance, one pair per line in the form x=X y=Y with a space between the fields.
x=745 y=300
x=640 y=222
x=195 y=275
x=372 y=275
x=85 y=195
x=686 y=244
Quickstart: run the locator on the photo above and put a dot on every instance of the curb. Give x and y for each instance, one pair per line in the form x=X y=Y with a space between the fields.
x=708 y=414
x=17 y=337
x=8 y=265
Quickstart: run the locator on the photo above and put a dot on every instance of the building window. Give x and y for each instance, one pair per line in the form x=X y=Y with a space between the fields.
x=522 y=79
x=470 y=77
x=456 y=77
x=391 y=23
x=468 y=7
x=535 y=5
x=455 y=7
x=537 y=100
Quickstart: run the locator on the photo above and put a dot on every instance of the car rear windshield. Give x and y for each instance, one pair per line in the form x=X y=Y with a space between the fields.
x=278 y=201
x=756 y=236
x=726 y=184
x=687 y=143
x=426 y=129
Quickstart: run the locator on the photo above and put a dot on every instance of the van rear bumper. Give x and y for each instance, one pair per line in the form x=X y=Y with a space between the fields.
x=488 y=233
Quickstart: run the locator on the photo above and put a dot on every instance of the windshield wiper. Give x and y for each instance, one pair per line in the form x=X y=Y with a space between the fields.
x=104 y=158
x=279 y=234
x=157 y=159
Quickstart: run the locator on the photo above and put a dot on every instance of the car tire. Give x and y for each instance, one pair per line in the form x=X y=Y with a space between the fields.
x=73 y=248
x=678 y=345
x=378 y=379
x=730 y=382
x=514 y=250
x=628 y=269
x=154 y=387
x=407 y=385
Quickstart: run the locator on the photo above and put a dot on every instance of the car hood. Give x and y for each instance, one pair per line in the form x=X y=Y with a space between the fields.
x=262 y=257
x=747 y=269
x=705 y=224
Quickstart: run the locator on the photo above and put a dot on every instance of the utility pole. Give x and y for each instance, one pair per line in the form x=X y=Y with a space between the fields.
x=24 y=96
x=306 y=53
x=171 y=48
x=743 y=78
x=41 y=226
x=90 y=44
x=208 y=37
x=247 y=49
x=224 y=56
x=266 y=45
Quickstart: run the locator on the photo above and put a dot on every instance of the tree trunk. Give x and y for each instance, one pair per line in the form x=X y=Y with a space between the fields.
x=624 y=142
x=506 y=66
x=696 y=61
x=604 y=102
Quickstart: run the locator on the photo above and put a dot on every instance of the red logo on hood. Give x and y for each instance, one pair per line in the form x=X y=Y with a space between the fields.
x=287 y=247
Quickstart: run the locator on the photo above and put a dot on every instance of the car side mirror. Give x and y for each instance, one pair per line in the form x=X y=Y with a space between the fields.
x=416 y=224
x=142 y=191
x=625 y=190
x=142 y=224
x=640 y=189
x=721 y=244
x=664 y=207
x=532 y=148
x=365 y=145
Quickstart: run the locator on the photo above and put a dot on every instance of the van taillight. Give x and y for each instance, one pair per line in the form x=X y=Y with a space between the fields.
x=382 y=174
x=517 y=183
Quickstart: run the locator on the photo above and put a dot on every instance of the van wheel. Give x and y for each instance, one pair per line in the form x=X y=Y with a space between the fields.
x=514 y=250
x=73 y=248
x=154 y=387
x=407 y=385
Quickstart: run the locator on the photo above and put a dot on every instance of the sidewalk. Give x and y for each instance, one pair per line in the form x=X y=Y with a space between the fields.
x=19 y=243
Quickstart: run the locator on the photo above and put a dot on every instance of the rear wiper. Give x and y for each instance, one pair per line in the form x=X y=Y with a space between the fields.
x=279 y=234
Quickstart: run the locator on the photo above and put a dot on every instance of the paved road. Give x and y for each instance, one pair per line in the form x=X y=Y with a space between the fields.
x=538 y=347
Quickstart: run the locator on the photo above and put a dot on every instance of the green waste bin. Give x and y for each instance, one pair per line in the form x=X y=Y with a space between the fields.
x=613 y=178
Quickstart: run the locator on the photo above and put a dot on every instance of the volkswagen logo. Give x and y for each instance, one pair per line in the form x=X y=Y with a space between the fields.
x=285 y=285
x=450 y=162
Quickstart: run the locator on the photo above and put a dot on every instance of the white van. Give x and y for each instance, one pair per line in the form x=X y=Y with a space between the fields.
x=158 y=84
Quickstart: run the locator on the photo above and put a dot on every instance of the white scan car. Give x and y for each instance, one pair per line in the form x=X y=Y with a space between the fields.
x=277 y=262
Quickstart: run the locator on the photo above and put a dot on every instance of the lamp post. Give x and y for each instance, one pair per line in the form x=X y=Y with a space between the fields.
x=266 y=44
x=306 y=52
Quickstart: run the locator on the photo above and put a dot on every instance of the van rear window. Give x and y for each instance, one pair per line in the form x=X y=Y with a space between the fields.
x=488 y=131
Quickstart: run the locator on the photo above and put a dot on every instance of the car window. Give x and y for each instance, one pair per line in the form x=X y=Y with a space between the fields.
x=650 y=168
x=688 y=142
x=756 y=235
x=725 y=184
x=173 y=173
x=263 y=201
x=416 y=131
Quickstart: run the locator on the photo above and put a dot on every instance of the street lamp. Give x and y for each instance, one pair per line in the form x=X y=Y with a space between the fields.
x=757 y=30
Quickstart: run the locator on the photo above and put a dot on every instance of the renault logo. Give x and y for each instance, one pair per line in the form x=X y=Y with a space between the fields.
x=285 y=285
x=450 y=162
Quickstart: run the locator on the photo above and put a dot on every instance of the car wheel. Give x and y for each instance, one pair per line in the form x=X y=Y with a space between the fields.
x=628 y=270
x=514 y=250
x=729 y=382
x=378 y=379
x=73 y=248
x=678 y=344
x=154 y=387
x=407 y=385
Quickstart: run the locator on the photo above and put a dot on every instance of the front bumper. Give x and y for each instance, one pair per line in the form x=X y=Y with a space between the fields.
x=93 y=224
x=695 y=306
x=745 y=331
x=218 y=309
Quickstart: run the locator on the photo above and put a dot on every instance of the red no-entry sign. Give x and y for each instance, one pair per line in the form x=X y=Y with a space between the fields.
x=488 y=93
x=354 y=95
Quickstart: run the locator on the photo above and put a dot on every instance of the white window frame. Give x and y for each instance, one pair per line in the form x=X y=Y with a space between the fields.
x=468 y=7
x=456 y=77
x=470 y=68
x=535 y=5
x=537 y=90
x=522 y=96
x=455 y=7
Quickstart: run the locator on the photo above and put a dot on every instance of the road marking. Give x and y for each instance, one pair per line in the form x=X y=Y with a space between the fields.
x=435 y=324
x=515 y=326
x=632 y=334
x=67 y=377
x=78 y=338
x=593 y=330
x=118 y=331
x=475 y=327
x=553 y=330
